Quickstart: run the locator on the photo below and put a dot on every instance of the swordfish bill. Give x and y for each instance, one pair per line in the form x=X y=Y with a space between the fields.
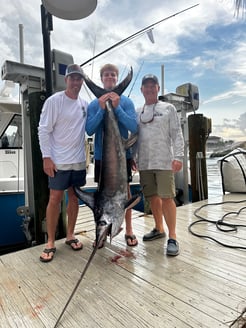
x=110 y=200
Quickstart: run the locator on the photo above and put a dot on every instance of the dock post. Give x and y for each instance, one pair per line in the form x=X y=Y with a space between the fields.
x=199 y=129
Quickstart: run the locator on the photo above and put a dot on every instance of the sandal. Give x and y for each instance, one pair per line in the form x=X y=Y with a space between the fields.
x=72 y=242
x=129 y=239
x=48 y=251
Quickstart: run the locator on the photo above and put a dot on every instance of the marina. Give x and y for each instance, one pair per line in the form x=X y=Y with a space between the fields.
x=205 y=286
x=28 y=212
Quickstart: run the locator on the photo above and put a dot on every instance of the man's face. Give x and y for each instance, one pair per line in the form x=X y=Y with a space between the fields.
x=109 y=79
x=74 y=83
x=150 y=90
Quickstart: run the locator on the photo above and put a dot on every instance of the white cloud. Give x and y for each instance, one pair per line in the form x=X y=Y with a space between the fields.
x=205 y=45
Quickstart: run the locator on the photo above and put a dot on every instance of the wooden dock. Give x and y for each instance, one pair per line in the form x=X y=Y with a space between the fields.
x=205 y=286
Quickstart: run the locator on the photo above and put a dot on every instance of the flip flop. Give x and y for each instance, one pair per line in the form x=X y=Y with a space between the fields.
x=74 y=241
x=48 y=251
x=132 y=238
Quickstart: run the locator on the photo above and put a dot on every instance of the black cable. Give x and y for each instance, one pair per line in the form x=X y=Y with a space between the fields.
x=219 y=223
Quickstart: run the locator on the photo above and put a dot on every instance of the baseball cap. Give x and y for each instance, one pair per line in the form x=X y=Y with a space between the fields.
x=150 y=77
x=74 y=69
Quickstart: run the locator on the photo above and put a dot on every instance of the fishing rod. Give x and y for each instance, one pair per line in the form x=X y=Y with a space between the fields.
x=135 y=79
x=136 y=34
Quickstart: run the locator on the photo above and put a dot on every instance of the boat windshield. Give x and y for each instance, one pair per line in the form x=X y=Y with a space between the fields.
x=12 y=135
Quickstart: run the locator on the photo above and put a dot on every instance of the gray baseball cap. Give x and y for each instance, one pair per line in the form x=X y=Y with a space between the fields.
x=150 y=77
x=74 y=69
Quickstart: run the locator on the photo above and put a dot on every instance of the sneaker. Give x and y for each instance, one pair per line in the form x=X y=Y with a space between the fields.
x=154 y=234
x=172 y=247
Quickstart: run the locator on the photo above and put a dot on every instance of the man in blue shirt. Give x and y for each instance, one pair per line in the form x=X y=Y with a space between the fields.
x=127 y=121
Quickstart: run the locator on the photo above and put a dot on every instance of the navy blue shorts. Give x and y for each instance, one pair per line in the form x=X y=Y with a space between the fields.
x=97 y=170
x=65 y=179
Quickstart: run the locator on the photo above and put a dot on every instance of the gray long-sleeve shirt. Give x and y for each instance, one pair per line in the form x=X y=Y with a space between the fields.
x=160 y=139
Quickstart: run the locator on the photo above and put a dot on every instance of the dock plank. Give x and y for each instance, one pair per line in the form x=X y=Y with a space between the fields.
x=205 y=286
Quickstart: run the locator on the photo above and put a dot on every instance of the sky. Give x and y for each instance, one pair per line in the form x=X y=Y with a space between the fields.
x=205 y=45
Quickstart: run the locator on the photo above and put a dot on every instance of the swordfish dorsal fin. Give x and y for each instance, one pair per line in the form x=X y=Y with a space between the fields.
x=119 y=89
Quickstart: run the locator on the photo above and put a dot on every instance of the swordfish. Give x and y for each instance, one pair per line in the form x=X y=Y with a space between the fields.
x=110 y=201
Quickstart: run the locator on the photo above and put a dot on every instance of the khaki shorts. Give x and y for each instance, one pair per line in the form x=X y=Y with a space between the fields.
x=158 y=182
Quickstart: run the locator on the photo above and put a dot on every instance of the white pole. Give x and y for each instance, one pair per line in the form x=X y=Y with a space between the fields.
x=21 y=43
x=162 y=80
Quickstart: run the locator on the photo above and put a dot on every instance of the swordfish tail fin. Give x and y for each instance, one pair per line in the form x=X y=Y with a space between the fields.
x=119 y=89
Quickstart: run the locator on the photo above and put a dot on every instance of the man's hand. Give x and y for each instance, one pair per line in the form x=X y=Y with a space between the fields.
x=49 y=167
x=115 y=99
x=176 y=165
x=134 y=165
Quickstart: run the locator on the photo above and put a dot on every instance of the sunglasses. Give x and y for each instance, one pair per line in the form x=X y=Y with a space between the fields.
x=149 y=119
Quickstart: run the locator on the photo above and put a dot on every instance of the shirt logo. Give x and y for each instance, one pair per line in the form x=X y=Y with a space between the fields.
x=83 y=110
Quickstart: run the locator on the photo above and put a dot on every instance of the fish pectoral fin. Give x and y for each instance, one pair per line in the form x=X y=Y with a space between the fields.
x=132 y=139
x=115 y=232
x=86 y=197
x=128 y=143
x=133 y=201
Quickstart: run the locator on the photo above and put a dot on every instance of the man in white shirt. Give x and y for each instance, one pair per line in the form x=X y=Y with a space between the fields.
x=62 y=142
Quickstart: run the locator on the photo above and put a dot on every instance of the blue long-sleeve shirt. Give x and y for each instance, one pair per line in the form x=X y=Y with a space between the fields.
x=127 y=121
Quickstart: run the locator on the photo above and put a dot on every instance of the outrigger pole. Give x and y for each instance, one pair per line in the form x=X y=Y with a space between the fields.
x=136 y=34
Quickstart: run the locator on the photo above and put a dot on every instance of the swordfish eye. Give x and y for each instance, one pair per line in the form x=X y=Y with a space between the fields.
x=102 y=223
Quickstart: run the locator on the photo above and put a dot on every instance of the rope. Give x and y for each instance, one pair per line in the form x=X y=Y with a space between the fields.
x=220 y=224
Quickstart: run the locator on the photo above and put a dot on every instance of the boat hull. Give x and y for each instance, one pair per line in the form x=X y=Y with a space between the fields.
x=11 y=234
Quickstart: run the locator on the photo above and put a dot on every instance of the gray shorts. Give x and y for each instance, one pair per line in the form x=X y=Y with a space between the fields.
x=69 y=178
x=158 y=182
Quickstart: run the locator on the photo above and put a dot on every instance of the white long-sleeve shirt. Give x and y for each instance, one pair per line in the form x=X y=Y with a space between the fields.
x=61 y=129
x=160 y=138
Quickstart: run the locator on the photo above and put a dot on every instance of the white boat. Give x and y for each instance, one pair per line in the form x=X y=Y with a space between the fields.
x=11 y=171
x=11 y=153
